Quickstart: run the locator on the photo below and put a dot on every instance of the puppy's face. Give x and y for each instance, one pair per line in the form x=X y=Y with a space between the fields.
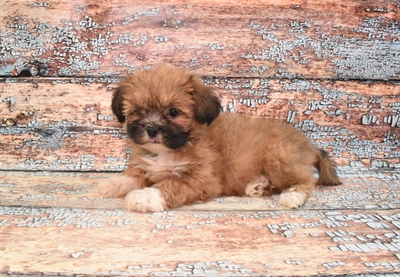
x=163 y=107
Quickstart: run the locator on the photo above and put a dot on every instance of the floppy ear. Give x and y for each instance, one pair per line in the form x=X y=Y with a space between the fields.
x=116 y=105
x=206 y=104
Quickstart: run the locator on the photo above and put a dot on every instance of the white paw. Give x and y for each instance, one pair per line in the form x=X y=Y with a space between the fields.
x=116 y=186
x=292 y=198
x=145 y=200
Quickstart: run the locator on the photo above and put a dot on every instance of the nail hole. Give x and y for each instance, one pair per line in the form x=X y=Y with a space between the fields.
x=25 y=73
x=10 y=122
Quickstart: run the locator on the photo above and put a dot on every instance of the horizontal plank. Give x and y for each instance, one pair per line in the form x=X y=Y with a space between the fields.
x=67 y=124
x=55 y=223
x=86 y=101
x=281 y=39
x=104 y=150
x=361 y=189
x=62 y=241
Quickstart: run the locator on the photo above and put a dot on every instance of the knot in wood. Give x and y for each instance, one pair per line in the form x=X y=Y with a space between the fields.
x=172 y=23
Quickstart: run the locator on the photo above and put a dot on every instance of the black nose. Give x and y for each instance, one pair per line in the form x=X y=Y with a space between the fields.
x=152 y=131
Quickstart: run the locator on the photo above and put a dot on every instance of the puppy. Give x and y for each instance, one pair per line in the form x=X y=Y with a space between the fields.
x=185 y=151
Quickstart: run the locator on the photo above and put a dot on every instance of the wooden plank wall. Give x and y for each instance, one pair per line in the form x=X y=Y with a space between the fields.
x=329 y=67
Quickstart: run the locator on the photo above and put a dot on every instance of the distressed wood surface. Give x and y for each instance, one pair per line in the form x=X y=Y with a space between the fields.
x=330 y=68
x=56 y=224
x=56 y=241
x=67 y=124
x=280 y=39
x=362 y=189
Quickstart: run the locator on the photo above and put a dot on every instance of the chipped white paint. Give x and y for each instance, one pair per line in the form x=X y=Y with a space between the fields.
x=64 y=134
x=350 y=55
x=276 y=66
x=365 y=245
x=283 y=41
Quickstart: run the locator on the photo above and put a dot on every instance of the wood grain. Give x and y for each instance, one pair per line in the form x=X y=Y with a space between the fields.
x=66 y=241
x=56 y=224
x=330 y=68
x=67 y=124
x=279 y=39
x=362 y=189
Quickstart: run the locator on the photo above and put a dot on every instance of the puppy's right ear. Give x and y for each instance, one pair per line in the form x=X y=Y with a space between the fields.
x=116 y=105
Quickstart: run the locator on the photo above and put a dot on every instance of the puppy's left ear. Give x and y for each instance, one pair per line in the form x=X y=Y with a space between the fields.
x=206 y=104
x=116 y=105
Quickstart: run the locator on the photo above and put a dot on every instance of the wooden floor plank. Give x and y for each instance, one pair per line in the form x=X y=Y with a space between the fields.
x=189 y=243
x=364 y=190
x=55 y=223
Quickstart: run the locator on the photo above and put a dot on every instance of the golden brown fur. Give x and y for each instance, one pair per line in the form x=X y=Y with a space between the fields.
x=185 y=151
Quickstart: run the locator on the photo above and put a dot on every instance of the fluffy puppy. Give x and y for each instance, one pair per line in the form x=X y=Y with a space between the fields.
x=185 y=151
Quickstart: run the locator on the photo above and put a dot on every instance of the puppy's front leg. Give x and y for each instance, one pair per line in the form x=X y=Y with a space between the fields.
x=169 y=194
x=119 y=186
x=145 y=200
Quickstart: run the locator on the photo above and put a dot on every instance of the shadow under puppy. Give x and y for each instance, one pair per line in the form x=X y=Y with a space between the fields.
x=185 y=151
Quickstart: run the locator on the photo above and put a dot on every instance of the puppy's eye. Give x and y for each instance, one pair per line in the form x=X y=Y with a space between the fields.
x=173 y=113
x=138 y=110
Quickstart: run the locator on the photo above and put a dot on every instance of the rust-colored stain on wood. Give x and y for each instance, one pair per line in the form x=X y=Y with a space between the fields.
x=330 y=68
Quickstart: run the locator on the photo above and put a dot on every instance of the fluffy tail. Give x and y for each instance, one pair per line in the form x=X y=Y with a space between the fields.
x=326 y=170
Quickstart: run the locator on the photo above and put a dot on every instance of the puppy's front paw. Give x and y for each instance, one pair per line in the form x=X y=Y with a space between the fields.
x=145 y=200
x=116 y=186
x=292 y=198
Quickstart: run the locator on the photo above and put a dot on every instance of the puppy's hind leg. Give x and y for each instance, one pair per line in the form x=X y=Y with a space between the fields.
x=256 y=188
x=261 y=187
x=294 y=197
x=300 y=189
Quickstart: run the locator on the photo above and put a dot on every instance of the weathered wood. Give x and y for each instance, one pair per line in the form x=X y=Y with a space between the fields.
x=362 y=189
x=87 y=101
x=281 y=39
x=64 y=150
x=304 y=62
x=65 y=241
x=56 y=224
x=67 y=124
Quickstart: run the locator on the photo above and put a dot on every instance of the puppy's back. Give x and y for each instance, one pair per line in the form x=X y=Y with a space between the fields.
x=251 y=146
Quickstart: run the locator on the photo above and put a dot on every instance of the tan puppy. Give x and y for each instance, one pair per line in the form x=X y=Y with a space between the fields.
x=185 y=152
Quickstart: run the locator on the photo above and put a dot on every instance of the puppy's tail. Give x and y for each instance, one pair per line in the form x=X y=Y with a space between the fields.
x=326 y=170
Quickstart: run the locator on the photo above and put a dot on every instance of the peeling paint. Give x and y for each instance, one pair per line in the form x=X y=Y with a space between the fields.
x=281 y=46
x=55 y=128
x=374 y=58
x=347 y=115
x=368 y=244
